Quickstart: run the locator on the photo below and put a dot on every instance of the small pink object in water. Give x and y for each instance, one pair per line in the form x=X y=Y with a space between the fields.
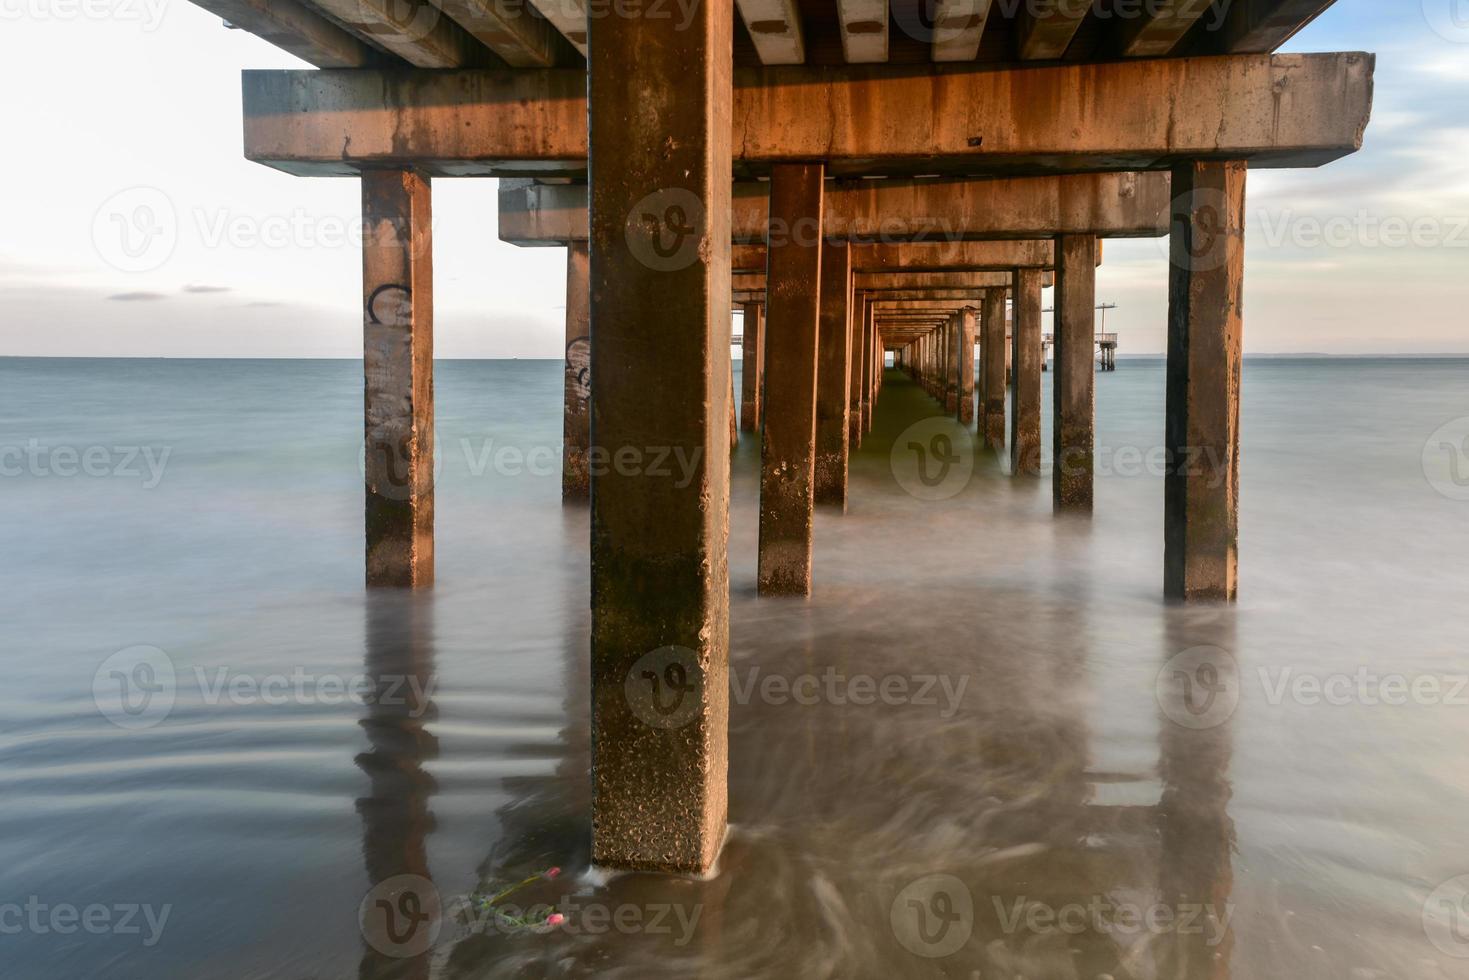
x=553 y=872
x=555 y=919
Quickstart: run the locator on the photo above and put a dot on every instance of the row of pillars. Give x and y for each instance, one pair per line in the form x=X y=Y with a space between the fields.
x=657 y=337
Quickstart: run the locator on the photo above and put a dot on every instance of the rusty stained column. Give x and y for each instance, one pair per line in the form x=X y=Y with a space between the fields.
x=992 y=370
x=793 y=290
x=955 y=357
x=1025 y=389
x=577 y=384
x=833 y=374
x=398 y=375
x=1072 y=436
x=966 y=365
x=859 y=365
x=1205 y=325
x=752 y=368
x=659 y=220
x=869 y=390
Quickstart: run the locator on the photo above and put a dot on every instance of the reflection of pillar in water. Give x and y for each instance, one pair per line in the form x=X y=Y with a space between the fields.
x=1195 y=830
x=402 y=915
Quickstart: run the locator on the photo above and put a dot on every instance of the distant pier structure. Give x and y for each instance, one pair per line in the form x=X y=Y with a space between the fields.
x=864 y=181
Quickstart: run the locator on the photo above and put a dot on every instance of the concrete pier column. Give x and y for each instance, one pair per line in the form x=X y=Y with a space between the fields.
x=1072 y=437
x=577 y=412
x=1205 y=323
x=860 y=311
x=954 y=357
x=659 y=221
x=870 y=363
x=752 y=368
x=793 y=290
x=834 y=374
x=398 y=374
x=992 y=369
x=966 y=365
x=1025 y=389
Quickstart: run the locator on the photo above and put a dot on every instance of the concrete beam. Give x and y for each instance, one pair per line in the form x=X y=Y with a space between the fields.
x=885 y=217
x=414 y=30
x=521 y=38
x=567 y=16
x=977 y=256
x=296 y=28
x=1154 y=32
x=775 y=29
x=754 y=282
x=958 y=26
x=864 y=25
x=1046 y=30
x=1261 y=26
x=1273 y=111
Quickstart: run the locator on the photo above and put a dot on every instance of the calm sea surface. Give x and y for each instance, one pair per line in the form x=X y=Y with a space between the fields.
x=980 y=755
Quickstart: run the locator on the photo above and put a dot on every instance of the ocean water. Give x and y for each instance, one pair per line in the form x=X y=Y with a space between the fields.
x=990 y=749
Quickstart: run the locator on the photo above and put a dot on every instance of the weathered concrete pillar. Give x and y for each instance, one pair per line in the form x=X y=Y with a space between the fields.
x=1205 y=323
x=734 y=422
x=833 y=374
x=1025 y=389
x=398 y=373
x=752 y=368
x=870 y=363
x=793 y=290
x=577 y=384
x=966 y=365
x=953 y=357
x=1071 y=414
x=992 y=369
x=859 y=365
x=659 y=221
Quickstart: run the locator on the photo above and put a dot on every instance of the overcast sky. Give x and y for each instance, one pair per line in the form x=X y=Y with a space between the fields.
x=141 y=98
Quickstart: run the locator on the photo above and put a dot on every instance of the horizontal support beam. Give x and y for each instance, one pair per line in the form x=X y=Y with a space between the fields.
x=978 y=256
x=884 y=213
x=1269 y=110
x=296 y=28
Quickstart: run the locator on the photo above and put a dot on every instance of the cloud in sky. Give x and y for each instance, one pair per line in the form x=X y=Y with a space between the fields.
x=1326 y=268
